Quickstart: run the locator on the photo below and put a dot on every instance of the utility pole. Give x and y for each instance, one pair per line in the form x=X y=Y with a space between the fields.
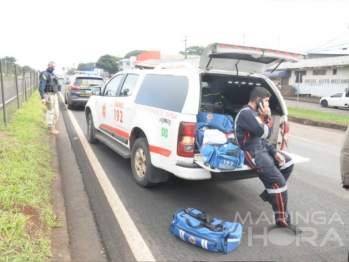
x=185 y=47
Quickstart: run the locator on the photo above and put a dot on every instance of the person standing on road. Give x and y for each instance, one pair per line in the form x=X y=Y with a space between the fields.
x=279 y=87
x=253 y=127
x=48 y=89
x=344 y=161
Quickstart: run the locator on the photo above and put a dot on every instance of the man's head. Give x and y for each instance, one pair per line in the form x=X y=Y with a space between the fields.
x=260 y=93
x=51 y=66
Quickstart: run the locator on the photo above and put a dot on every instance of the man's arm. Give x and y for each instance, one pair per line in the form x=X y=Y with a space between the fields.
x=42 y=85
x=250 y=121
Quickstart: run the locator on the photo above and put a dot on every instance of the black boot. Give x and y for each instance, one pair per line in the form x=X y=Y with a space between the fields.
x=265 y=197
x=294 y=228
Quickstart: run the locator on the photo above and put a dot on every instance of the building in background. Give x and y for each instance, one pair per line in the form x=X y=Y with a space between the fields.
x=151 y=59
x=322 y=74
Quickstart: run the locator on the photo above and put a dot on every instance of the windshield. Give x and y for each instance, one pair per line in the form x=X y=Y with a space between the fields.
x=83 y=82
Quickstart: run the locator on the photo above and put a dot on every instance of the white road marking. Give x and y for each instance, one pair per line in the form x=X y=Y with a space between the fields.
x=135 y=240
x=317 y=129
x=312 y=141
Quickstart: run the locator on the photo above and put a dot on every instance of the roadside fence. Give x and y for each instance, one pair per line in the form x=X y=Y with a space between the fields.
x=17 y=84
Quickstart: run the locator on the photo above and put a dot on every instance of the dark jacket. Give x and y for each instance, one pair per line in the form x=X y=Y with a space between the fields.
x=48 y=83
x=251 y=133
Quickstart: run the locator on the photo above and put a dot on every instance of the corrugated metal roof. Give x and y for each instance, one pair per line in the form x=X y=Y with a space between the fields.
x=331 y=52
x=335 y=61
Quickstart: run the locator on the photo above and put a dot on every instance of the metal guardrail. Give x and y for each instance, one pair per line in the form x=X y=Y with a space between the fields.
x=17 y=84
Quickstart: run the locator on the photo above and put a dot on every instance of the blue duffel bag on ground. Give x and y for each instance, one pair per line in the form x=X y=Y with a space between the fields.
x=224 y=123
x=200 y=229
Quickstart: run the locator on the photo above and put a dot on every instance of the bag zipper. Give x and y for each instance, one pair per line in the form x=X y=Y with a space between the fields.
x=228 y=234
x=197 y=235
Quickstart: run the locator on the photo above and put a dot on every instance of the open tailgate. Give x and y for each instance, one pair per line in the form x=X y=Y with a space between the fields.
x=199 y=160
x=244 y=58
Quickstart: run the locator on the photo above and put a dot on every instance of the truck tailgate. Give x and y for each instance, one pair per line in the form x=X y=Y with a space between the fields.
x=199 y=160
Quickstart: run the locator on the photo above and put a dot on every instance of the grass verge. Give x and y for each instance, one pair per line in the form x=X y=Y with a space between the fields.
x=318 y=116
x=26 y=175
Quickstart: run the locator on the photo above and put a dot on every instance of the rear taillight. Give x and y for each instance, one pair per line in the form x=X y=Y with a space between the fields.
x=186 y=139
x=284 y=133
x=74 y=87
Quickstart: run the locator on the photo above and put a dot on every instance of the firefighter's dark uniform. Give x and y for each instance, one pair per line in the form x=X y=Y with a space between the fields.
x=252 y=137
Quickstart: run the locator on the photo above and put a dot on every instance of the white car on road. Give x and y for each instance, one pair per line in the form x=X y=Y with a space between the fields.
x=336 y=100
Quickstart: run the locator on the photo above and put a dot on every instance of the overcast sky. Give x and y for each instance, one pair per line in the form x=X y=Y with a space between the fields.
x=80 y=31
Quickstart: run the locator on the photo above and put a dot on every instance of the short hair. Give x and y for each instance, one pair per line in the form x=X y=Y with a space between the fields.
x=259 y=91
x=51 y=62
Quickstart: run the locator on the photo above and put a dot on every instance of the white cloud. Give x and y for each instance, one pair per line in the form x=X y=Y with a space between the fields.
x=73 y=31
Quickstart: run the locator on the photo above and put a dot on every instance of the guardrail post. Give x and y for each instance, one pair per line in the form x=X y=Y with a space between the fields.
x=16 y=82
x=3 y=93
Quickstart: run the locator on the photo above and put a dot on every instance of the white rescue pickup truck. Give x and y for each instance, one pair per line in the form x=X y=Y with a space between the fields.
x=150 y=116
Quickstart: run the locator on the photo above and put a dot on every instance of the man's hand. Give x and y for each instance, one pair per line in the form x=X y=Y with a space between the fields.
x=43 y=101
x=264 y=110
x=280 y=158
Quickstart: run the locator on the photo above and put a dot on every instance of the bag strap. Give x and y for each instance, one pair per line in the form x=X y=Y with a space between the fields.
x=216 y=228
x=201 y=216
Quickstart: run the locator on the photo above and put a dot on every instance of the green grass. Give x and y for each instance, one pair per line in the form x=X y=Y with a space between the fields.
x=318 y=116
x=26 y=216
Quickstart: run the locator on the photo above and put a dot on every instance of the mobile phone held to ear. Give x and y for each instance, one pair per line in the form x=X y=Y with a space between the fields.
x=259 y=102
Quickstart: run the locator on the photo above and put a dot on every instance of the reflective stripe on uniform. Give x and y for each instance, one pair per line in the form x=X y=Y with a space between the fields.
x=288 y=164
x=266 y=131
x=277 y=190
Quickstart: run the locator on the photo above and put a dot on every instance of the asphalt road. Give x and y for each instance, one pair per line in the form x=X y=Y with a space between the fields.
x=316 y=202
x=10 y=90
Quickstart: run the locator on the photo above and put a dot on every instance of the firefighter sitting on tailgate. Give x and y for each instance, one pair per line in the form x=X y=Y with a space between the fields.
x=253 y=127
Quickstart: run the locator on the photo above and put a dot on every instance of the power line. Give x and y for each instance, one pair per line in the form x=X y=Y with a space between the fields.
x=327 y=47
x=327 y=42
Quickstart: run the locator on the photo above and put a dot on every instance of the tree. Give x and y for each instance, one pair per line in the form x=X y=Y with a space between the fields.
x=9 y=59
x=134 y=53
x=108 y=63
x=193 y=50
x=71 y=71
x=86 y=66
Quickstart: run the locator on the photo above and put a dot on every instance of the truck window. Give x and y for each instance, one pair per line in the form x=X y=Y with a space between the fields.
x=129 y=85
x=163 y=91
x=112 y=86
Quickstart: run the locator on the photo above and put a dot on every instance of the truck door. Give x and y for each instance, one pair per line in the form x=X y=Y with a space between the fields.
x=122 y=108
x=105 y=112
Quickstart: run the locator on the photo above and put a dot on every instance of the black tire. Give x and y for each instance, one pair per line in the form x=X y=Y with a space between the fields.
x=324 y=103
x=70 y=106
x=141 y=163
x=91 y=130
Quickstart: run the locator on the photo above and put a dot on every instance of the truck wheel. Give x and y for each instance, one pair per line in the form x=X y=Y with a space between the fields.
x=91 y=131
x=141 y=163
x=324 y=103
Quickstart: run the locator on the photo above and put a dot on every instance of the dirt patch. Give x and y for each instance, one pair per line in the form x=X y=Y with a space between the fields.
x=33 y=223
